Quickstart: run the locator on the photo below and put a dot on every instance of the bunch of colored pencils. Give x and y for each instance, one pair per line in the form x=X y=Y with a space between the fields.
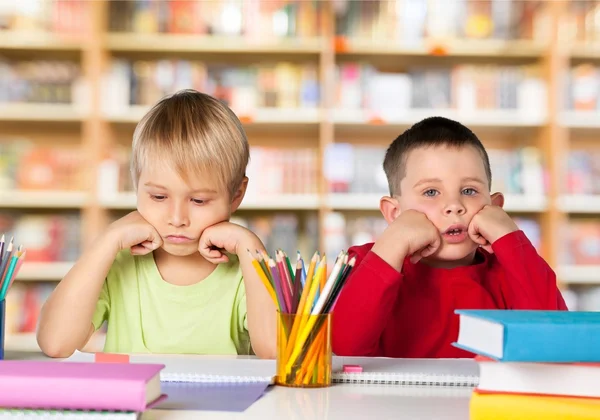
x=10 y=262
x=303 y=299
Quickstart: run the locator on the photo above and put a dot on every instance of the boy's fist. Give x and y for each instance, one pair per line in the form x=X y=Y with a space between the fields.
x=490 y=224
x=411 y=234
x=134 y=232
x=225 y=237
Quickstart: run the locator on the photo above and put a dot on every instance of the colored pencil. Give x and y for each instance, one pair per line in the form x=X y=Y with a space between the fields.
x=305 y=293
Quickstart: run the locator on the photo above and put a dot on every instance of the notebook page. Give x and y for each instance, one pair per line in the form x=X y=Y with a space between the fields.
x=199 y=368
x=409 y=372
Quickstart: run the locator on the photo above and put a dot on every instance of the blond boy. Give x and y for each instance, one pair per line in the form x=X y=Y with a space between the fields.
x=175 y=275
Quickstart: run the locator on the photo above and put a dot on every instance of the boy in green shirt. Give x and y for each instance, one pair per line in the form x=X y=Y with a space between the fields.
x=174 y=276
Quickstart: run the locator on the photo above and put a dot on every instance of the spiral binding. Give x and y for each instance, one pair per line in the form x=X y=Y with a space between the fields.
x=195 y=377
x=406 y=379
x=53 y=414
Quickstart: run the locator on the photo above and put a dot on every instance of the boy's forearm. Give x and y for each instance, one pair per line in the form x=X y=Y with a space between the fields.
x=262 y=313
x=66 y=317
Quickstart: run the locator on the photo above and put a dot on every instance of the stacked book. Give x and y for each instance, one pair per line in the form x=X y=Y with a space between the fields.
x=533 y=364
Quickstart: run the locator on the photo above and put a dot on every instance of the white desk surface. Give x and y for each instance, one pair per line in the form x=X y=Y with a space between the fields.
x=342 y=402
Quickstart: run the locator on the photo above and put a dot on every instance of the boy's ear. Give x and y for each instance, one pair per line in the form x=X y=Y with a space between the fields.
x=238 y=196
x=390 y=208
x=498 y=199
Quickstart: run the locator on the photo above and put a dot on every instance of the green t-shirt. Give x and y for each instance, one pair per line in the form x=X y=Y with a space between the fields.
x=145 y=314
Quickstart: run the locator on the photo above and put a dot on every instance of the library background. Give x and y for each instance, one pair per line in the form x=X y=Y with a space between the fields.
x=322 y=88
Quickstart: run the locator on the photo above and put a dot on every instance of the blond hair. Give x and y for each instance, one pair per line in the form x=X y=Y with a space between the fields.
x=198 y=134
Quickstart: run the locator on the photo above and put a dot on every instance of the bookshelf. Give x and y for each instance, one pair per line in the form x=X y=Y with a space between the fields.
x=97 y=126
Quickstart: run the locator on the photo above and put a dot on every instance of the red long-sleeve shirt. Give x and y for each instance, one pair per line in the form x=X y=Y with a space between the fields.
x=381 y=312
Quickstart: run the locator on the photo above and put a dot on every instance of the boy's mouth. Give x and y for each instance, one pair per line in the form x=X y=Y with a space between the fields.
x=455 y=234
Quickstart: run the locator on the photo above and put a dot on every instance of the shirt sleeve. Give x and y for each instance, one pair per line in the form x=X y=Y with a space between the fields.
x=530 y=283
x=365 y=305
x=102 y=307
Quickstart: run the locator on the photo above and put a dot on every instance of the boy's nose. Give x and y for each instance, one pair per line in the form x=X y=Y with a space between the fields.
x=178 y=216
x=454 y=208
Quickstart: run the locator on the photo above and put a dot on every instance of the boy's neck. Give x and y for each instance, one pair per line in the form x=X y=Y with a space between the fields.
x=182 y=270
x=463 y=262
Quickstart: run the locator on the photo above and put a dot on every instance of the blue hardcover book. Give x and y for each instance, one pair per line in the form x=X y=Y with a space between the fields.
x=531 y=336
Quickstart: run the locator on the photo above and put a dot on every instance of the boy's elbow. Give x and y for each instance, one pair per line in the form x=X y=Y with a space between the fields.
x=53 y=348
x=265 y=351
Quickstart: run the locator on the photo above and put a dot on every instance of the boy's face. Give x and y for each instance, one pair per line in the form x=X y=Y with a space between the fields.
x=181 y=211
x=449 y=185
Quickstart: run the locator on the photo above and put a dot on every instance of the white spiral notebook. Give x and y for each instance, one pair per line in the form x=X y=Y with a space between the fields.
x=376 y=371
x=66 y=414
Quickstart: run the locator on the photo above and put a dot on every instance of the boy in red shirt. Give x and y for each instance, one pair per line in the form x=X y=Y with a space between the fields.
x=449 y=245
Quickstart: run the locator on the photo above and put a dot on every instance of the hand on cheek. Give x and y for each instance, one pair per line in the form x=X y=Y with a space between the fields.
x=490 y=224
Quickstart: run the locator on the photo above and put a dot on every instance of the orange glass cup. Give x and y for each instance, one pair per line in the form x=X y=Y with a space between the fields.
x=304 y=350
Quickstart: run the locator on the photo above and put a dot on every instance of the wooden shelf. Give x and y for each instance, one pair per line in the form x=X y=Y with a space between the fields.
x=582 y=204
x=282 y=202
x=38 y=271
x=442 y=48
x=38 y=41
x=266 y=116
x=32 y=112
x=407 y=117
x=42 y=199
x=175 y=43
x=580 y=119
x=525 y=203
x=127 y=201
x=579 y=274
x=585 y=51
x=352 y=201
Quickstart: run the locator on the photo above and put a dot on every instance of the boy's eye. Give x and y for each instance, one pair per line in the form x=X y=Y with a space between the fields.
x=469 y=191
x=158 y=197
x=430 y=193
x=197 y=201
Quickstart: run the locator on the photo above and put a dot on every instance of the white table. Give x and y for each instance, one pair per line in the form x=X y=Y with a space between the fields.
x=343 y=402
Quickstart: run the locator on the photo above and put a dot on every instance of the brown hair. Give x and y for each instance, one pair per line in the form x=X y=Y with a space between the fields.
x=433 y=131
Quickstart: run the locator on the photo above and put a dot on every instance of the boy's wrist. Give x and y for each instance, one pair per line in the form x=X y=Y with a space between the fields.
x=248 y=241
x=392 y=253
x=110 y=242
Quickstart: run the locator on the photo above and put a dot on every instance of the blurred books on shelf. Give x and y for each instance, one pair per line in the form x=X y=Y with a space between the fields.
x=273 y=172
x=27 y=166
x=41 y=81
x=64 y=17
x=251 y=19
x=47 y=237
x=286 y=231
x=583 y=176
x=244 y=89
x=355 y=169
x=411 y=21
x=466 y=88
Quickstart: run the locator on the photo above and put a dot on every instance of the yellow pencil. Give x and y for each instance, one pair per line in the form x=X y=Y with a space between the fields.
x=302 y=304
x=263 y=278
x=307 y=325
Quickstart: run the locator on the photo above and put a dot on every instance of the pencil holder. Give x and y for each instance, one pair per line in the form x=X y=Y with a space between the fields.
x=303 y=350
x=2 y=324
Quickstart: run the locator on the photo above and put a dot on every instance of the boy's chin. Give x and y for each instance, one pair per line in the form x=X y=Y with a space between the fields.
x=180 y=250
x=459 y=253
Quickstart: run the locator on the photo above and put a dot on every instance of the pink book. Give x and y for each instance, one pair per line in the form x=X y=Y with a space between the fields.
x=79 y=386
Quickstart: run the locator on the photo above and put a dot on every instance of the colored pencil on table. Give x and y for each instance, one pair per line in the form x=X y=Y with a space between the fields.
x=278 y=289
x=18 y=267
x=263 y=277
x=286 y=286
x=4 y=259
